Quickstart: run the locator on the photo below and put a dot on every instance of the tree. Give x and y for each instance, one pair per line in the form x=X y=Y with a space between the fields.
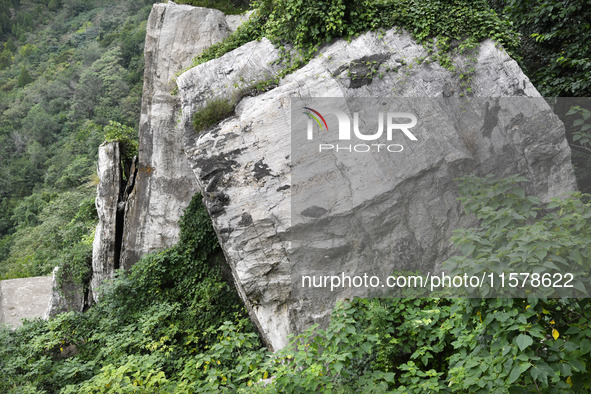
x=24 y=78
x=53 y=5
x=10 y=45
x=555 y=43
x=5 y=59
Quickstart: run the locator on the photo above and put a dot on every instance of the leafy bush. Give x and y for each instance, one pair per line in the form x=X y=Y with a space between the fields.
x=555 y=43
x=148 y=325
x=127 y=138
x=518 y=233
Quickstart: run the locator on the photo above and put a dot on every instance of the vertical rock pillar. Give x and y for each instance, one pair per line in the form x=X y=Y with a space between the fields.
x=165 y=183
x=107 y=239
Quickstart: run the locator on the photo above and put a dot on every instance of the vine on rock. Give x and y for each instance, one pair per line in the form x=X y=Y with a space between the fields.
x=300 y=27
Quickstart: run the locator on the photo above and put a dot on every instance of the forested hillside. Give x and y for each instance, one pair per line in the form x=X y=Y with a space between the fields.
x=67 y=69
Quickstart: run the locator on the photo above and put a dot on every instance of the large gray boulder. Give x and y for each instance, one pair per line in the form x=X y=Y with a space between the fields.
x=244 y=166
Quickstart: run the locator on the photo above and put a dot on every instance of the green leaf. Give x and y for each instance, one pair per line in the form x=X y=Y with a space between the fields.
x=523 y=341
x=585 y=346
x=514 y=375
x=570 y=346
x=338 y=366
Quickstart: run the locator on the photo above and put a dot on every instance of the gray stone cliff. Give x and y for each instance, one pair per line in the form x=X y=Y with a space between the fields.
x=109 y=207
x=164 y=183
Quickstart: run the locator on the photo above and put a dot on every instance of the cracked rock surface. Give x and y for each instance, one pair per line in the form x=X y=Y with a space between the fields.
x=164 y=183
x=244 y=164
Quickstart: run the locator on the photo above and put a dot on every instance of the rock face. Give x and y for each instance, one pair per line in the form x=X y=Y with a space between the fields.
x=24 y=298
x=244 y=164
x=57 y=304
x=164 y=181
x=107 y=236
x=66 y=296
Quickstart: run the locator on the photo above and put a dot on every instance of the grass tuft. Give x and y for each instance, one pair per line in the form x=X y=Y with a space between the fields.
x=215 y=111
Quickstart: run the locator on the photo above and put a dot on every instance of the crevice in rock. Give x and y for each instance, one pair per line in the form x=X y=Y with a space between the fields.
x=129 y=170
x=119 y=233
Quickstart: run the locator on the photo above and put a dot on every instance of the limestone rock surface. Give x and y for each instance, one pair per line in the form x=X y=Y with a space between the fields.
x=243 y=165
x=107 y=238
x=23 y=298
x=164 y=183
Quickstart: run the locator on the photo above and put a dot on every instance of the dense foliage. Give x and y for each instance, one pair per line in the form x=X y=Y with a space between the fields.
x=173 y=325
x=555 y=53
x=68 y=68
x=148 y=327
x=303 y=26
x=519 y=234
x=555 y=43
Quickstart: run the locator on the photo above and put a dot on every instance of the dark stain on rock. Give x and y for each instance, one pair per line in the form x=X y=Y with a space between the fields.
x=285 y=187
x=216 y=203
x=517 y=121
x=363 y=70
x=216 y=165
x=245 y=221
x=229 y=136
x=448 y=90
x=491 y=118
x=225 y=233
x=213 y=182
x=314 y=212
x=339 y=70
x=260 y=170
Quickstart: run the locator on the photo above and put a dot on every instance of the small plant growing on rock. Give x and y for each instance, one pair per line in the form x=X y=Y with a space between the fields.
x=215 y=111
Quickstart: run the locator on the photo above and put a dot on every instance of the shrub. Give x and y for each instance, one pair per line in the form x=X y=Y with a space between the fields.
x=215 y=111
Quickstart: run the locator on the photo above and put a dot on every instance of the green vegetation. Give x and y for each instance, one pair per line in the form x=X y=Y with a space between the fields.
x=52 y=229
x=172 y=324
x=149 y=325
x=555 y=43
x=72 y=73
x=218 y=109
x=215 y=111
x=554 y=51
x=228 y=7
x=128 y=143
x=300 y=27
x=517 y=231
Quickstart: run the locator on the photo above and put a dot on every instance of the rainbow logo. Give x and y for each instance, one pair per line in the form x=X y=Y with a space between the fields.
x=316 y=118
